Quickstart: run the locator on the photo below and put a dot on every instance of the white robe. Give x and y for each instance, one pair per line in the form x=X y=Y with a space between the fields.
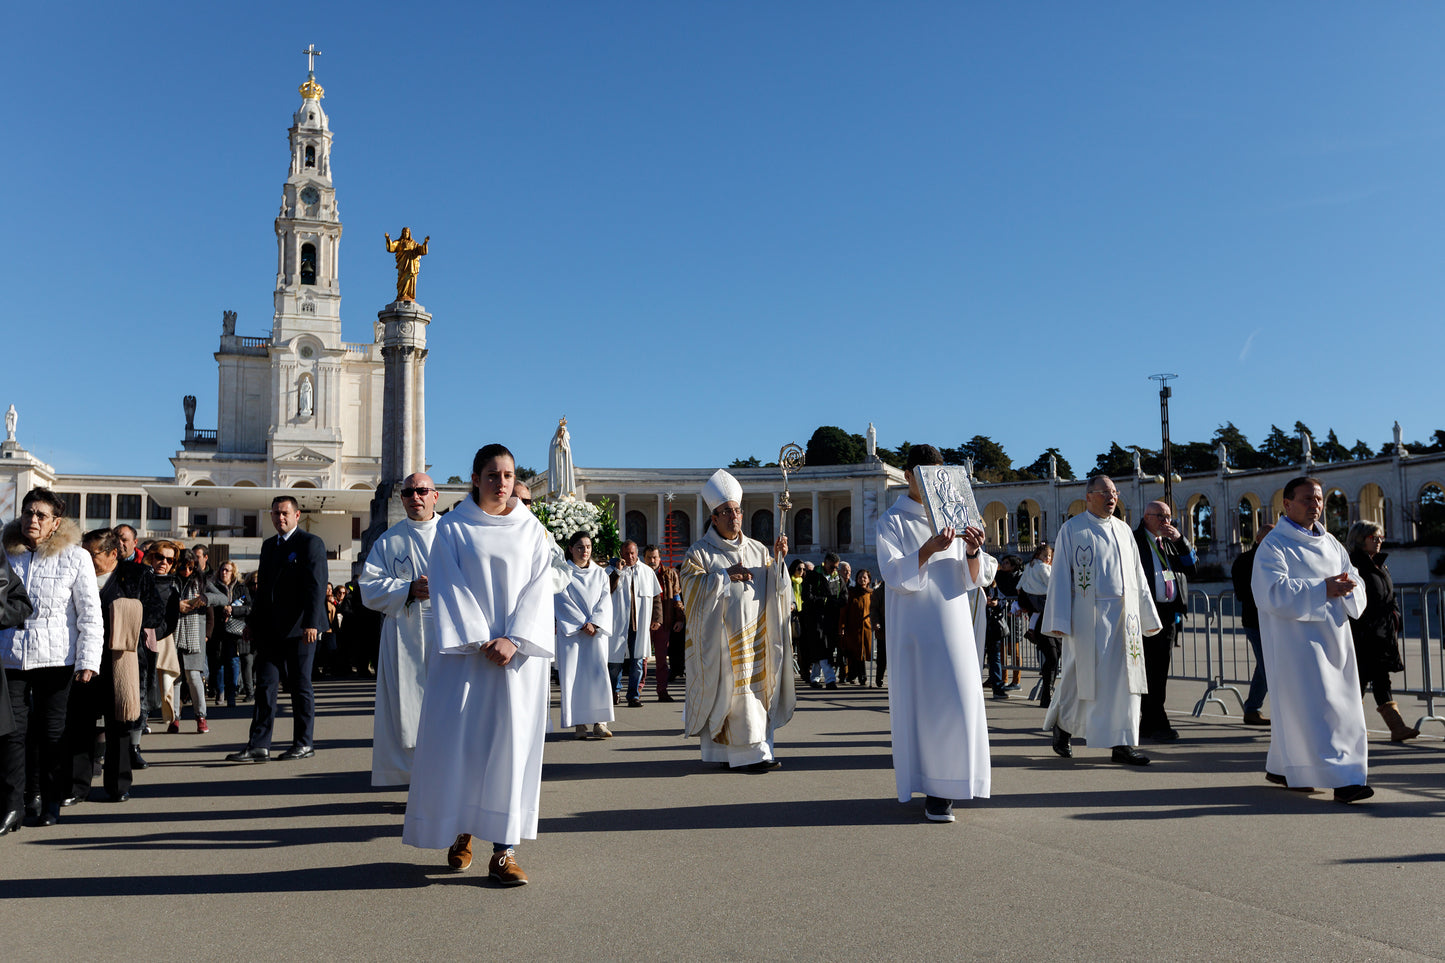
x=739 y=650
x=636 y=585
x=478 y=765
x=935 y=703
x=978 y=598
x=1317 y=734
x=582 y=658
x=397 y=559
x=1100 y=605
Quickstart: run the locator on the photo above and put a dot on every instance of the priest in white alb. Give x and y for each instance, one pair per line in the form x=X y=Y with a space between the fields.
x=634 y=593
x=935 y=702
x=394 y=582
x=1100 y=604
x=739 y=654
x=583 y=607
x=478 y=766
x=1307 y=591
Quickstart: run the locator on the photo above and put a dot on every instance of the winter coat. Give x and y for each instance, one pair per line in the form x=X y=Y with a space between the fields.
x=66 y=627
x=14 y=610
x=1375 y=632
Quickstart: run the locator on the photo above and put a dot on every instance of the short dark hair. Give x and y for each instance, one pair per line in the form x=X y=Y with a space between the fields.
x=1294 y=483
x=1095 y=484
x=630 y=541
x=45 y=496
x=830 y=557
x=286 y=498
x=133 y=532
x=922 y=455
x=649 y=547
x=100 y=540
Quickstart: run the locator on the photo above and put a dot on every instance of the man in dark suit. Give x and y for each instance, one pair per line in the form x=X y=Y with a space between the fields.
x=1168 y=561
x=288 y=615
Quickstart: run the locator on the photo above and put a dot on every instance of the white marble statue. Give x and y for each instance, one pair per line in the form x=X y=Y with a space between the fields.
x=872 y=443
x=11 y=418
x=306 y=398
x=561 y=477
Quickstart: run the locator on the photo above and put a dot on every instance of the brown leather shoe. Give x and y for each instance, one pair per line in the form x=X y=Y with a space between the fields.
x=504 y=869
x=460 y=854
x=1254 y=718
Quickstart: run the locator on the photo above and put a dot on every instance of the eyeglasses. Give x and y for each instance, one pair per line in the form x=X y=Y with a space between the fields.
x=158 y=557
x=728 y=511
x=38 y=516
x=524 y=501
x=1106 y=492
x=411 y=492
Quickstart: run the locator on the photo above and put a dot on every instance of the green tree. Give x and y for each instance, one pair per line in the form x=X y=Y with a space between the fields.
x=455 y=480
x=1361 y=451
x=1115 y=462
x=1040 y=466
x=1240 y=452
x=990 y=462
x=834 y=446
x=897 y=457
x=1279 y=449
x=1332 y=450
x=1191 y=458
x=752 y=462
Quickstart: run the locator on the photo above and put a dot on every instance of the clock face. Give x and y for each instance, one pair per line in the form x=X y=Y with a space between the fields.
x=310 y=196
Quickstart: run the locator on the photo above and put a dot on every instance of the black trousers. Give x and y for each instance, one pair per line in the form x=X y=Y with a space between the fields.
x=1050 y=652
x=47 y=692
x=295 y=658
x=1158 y=650
x=88 y=702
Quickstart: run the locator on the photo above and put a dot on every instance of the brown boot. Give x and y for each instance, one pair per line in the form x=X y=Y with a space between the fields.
x=1399 y=732
x=460 y=854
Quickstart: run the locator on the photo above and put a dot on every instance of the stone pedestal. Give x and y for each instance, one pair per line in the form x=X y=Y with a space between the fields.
x=403 y=409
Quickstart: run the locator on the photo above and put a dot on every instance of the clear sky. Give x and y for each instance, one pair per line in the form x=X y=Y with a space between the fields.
x=701 y=229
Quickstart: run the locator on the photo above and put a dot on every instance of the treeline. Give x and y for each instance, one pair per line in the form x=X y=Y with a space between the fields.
x=831 y=445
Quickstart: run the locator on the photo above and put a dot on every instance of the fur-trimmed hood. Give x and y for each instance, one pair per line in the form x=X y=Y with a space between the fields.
x=64 y=536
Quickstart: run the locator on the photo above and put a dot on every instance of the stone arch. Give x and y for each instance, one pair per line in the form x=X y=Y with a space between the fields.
x=844 y=528
x=1249 y=520
x=246 y=483
x=308 y=263
x=1432 y=513
x=1337 y=512
x=1371 y=504
x=1077 y=507
x=1029 y=518
x=1276 y=505
x=635 y=528
x=310 y=156
x=303 y=483
x=1201 y=519
x=995 y=522
x=803 y=529
x=761 y=526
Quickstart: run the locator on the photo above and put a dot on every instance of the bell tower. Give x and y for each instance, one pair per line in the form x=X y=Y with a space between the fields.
x=308 y=228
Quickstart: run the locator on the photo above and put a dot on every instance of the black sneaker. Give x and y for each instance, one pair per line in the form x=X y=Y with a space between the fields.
x=938 y=810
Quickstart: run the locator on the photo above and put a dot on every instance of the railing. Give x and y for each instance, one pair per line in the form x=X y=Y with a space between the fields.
x=204 y=437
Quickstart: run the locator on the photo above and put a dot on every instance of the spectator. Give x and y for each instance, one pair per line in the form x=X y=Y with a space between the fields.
x=127 y=551
x=193 y=595
x=1376 y=632
x=667 y=618
x=245 y=648
x=1168 y=561
x=1241 y=574
x=1033 y=593
x=823 y=595
x=14 y=610
x=230 y=626
x=857 y=643
x=60 y=643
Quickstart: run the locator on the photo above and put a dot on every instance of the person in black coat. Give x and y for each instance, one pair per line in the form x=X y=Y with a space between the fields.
x=824 y=592
x=14 y=610
x=127 y=580
x=288 y=615
x=1168 y=562
x=1376 y=631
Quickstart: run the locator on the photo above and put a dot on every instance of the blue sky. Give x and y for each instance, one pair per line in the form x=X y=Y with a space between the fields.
x=699 y=230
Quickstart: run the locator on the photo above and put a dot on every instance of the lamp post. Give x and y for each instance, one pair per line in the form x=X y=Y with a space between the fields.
x=1164 y=393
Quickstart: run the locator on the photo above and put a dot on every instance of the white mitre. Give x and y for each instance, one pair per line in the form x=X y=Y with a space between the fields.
x=720 y=488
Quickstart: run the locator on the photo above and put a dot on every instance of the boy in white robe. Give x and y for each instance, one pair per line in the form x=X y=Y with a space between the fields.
x=394 y=582
x=478 y=766
x=1307 y=591
x=739 y=653
x=1100 y=605
x=634 y=593
x=935 y=702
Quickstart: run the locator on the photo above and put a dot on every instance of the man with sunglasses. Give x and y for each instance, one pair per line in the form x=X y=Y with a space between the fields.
x=394 y=583
x=288 y=615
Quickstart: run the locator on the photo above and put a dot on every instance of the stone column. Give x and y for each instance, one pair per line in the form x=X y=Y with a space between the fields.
x=403 y=349
x=817 y=532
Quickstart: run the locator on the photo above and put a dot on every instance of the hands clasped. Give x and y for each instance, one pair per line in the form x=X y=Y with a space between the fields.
x=500 y=651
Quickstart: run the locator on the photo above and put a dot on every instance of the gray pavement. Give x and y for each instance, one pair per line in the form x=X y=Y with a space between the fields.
x=645 y=853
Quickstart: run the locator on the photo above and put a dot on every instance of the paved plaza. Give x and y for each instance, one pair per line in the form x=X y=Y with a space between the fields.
x=646 y=853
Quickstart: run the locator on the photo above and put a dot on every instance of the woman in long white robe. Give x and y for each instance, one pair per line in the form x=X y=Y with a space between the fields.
x=935 y=700
x=478 y=765
x=584 y=604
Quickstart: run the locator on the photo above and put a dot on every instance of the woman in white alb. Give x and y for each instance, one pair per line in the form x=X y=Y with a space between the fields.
x=584 y=612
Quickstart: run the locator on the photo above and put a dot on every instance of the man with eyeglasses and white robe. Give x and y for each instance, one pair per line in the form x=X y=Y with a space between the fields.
x=737 y=597
x=394 y=583
x=635 y=591
x=1100 y=604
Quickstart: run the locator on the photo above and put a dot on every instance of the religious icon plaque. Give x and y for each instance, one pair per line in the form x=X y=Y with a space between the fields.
x=948 y=496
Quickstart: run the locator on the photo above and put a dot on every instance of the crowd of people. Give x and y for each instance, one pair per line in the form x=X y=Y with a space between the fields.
x=462 y=617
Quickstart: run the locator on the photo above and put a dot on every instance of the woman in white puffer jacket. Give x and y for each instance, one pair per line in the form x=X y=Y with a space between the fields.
x=60 y=642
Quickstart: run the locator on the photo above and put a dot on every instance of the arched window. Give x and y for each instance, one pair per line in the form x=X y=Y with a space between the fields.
x=803 y=528
x=1246 y=521
x=310 y=156
x=1432 y=515
x=1201 y=521
x=308 y=264
x=845 y=528
x=637 y=529
x=679 y=534
x=1337 y=513
x=762 y=526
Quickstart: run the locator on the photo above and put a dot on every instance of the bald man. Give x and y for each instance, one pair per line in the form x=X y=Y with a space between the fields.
x=1168 y=561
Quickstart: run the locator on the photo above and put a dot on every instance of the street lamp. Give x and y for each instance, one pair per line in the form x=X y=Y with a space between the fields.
x=1164 y=393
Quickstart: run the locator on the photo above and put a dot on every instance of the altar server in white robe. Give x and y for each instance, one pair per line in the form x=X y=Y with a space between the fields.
x=1307 y=591
x=394 y=582
x=1099 y=603
x=635 y=592
x=935 y=702
x=739 y=651
x=478 y=768
x=584 y=624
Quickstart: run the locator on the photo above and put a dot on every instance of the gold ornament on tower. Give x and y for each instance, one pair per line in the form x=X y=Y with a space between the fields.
x=408 y=262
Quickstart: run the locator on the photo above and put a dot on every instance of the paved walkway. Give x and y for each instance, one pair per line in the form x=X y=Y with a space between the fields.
x=645 y=853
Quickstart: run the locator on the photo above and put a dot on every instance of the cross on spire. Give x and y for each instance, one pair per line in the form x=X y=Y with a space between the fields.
x=311 y=54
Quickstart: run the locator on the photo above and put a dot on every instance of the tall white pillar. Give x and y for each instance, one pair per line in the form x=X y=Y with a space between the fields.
x=817 y=532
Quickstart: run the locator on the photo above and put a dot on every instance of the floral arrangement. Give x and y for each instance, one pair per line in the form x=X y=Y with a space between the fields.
x=566 y=516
